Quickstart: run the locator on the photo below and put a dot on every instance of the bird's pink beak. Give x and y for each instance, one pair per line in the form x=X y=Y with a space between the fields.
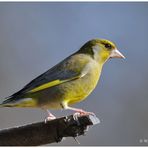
x=116 y=54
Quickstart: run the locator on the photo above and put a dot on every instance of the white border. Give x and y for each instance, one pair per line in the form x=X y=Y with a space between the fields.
x=74 y=1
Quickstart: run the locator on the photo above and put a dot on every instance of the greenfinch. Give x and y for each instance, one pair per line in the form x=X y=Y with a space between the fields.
x=68 y=82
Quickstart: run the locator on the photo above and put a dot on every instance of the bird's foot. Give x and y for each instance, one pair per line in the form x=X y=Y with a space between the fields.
x=50 y=117
x=80 y=113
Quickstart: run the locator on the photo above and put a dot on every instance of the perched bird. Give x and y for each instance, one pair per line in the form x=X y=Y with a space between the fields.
x=68 y=82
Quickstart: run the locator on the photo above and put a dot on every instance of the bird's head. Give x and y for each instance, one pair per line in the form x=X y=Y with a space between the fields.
x=101 y=50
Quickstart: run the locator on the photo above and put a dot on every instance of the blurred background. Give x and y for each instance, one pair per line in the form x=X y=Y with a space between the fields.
x=36 y=36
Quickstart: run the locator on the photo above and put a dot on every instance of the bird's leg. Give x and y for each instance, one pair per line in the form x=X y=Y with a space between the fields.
x=50 y=116
x=80 y=111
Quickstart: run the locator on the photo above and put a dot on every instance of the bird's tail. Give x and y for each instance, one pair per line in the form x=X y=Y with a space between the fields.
x=8 y=102
x=18 y=101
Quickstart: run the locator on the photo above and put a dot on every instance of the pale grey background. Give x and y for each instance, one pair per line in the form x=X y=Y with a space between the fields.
x=36 y=36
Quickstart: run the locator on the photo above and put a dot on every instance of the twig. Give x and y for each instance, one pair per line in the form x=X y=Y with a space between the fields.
x=40 y=133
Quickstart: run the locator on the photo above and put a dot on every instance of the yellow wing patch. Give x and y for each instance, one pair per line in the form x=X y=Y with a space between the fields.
x=47 y=85
x=52 y=83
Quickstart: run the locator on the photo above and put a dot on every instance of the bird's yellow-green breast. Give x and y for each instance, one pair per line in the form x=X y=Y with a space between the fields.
x=79 y=89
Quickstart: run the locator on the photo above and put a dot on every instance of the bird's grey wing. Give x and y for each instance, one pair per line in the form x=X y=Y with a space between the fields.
x=58 y=72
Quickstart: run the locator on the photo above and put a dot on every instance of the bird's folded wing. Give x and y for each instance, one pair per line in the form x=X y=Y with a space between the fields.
x=55 y=76
x=53 y=83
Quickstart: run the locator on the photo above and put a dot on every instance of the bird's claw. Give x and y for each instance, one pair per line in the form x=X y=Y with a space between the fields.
x=76 y=115
x=82 y=113
x=49 y=118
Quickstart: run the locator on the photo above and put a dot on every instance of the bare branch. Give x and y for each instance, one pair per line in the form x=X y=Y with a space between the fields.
x=40 y=133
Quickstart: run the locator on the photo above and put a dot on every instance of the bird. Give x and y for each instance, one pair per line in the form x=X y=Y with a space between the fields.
x=68 y=82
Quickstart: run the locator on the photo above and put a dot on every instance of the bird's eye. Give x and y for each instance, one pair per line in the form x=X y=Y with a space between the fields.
x=108 y=46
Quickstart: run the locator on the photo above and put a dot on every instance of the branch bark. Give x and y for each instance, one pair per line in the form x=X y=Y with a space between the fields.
x=36 y=134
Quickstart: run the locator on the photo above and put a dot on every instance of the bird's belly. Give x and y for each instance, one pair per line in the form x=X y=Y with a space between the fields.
x=70 y=92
